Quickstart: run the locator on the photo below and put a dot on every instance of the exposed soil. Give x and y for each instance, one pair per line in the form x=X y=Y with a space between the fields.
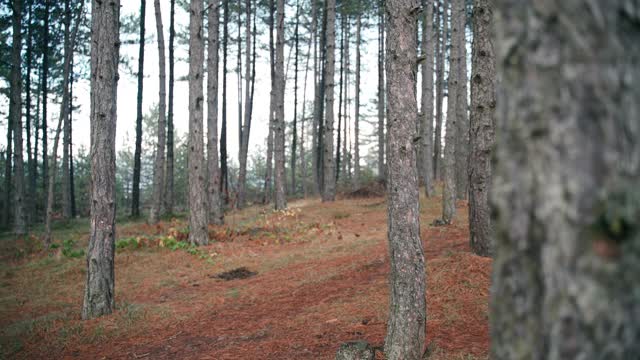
x=321 y=280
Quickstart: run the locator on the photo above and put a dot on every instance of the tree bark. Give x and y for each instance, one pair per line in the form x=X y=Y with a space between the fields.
x=406 y=326
x=462 y=103
x=15 y=113
x=216 y=214
x=427 y=97
x=66 y=137
x=72 y=186
x=99 y=294
x=135 y=192
x=449 y=171
x=441 y=43
x=29 y=195
x=340 y=97
x=45 y=98
x=381 y=92
x=483 y=104
x=329 y=185
x=356 y=125
x=198 y=210
x=272 y=104
x=158 y=171
x=565 y=192
x=294 y=135
x=246 y=127
x=169 y=179
x=224 y=182
x=278 y=123
x=317 y=99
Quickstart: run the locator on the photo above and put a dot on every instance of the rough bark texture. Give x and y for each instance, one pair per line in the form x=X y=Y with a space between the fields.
x=356 y=125
x=135 y=192
x=462 y=103
x=99 y=296
x=317 y=99
x=482 y=114
x=440 y=53
x=169 y=182
x=329 y=188
x=381 y=108
x=449 y=171
x=406 y=326
x=216 y=213
x=15 y=113
x=158 y=171
x=223 y=131
x=280 y=180
x=272 y=104
x=427 y=97
x=565 y=191
x=341 y=114
x=344 y=164
x=198 y=211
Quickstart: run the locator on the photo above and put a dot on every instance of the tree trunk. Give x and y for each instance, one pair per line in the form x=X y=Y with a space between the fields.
x=294 y=135
x=449 y=171
x=441 y=51
x=462 y=117
x=198 y=210
x=329 y=188
x=158 y=171
x=66 y=135
x=565 y=191
x=321 y=121
x=29 y=195
x=8 y=173
x=246 y=127
x=33 y=183
x=356 y=130
x=224 y=183
x=169 y=182
x=406 y=326
x=15 y=113
x=72 y=186
x=69 y=45
x=427 y=97
x=45 y=99
x=99 y=295
x=303 y=160
x=340 y=97
x=216 y=214
x=317 y=100
x=344 y=166
x=483 y=103
x=381 y=108
x=135 y=192
x=278 y=123
x=272 y=103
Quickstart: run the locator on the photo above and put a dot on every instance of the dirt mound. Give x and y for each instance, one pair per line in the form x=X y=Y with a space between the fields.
x=370 y=190
x=239 y=273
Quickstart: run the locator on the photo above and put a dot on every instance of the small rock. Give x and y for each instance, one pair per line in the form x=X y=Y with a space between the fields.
x=355 y=350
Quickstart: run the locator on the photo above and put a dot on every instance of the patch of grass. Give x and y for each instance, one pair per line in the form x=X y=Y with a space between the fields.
x=233 y=293
x=340 y=215
x=69 y=250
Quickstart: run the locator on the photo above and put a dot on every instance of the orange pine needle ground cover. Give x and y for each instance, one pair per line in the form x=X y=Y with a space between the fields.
x=321 y=280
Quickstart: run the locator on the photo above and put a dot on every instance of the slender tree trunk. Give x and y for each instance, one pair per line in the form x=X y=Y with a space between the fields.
x=239 y=76
x=272 y=104
x=169 y=182
x=449 y=192
x=198 y=210
x=135 y=192
x=303 y=160
x=406 y=326
x=317 y=100
x=45 y=99
x=69 y=45
x=15 y=113
x=321 y=120
x=381 y=92
x=72 y=186
x=224 y=182
x=329 y=188
x=29 y=195
x=356 y=125
x=8 y=174
x=462 y=103
x=246 y=127
x=345 y=121
x=427 y=97
x=294 y=135
x=66 y=135
x=340 y=97
x=565 y=191
x=99 y=294
x=441 y=50
x=34 y=167
x=483 y=104
x=216 y=214
x=158 y=171
x=279 y=123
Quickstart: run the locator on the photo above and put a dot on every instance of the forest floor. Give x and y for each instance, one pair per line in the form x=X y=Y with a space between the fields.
x=315 y=276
